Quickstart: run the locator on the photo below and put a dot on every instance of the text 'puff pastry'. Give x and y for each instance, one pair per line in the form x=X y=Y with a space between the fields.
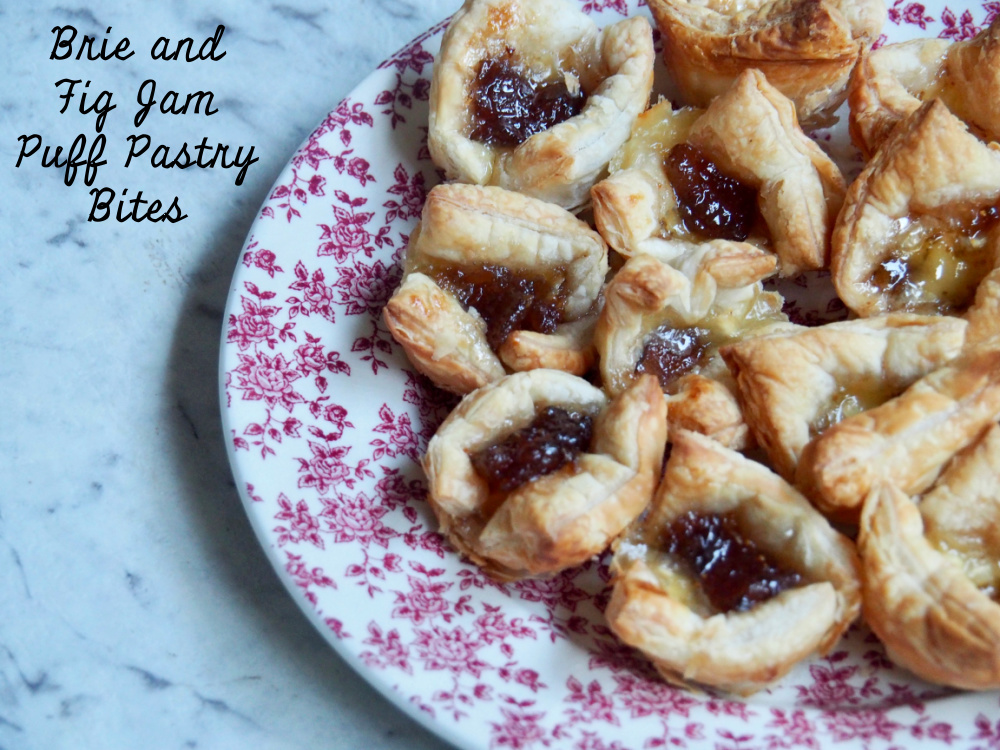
x=724 y=530
x=907 y=440
x=493 y=440
x=531 y=96
x=794 y=384
x=742 y=170
x=670 y=322
x=913 y=231
x=485 y=264
x=931 y=615
x=891 y=82
x=806 y=48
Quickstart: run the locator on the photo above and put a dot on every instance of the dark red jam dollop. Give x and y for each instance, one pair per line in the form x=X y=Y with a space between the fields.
x=506 y=300
x=672 y=352
x=713 y=205
x=734 y=574
x=552 y=440
x=508 y=108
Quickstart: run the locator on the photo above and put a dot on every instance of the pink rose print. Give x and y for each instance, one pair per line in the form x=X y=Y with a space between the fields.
x=452 y=650
x=317 y=297
x=336 y=415
x=865 y=725
x=648 y=697
x=303 y=527
x=796 y=731
x=411 y=193
x=957 y=29
x=326 y=469
x=365 y=289
x=306 y=577
x=392 y=652
x=619 y=6
x=423 y=601
x=912 y=13
x=345 y=238
x=309 y=357
x=253 y=325
x=399 y=430
x=520 y=728
x=356 y=519
x=594 y=704
x=263 y=378
x=258 y=257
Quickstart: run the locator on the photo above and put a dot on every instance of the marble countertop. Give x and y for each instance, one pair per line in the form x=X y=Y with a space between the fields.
x=138 y=607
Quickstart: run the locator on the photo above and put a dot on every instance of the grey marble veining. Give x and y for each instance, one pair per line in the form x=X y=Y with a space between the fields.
x=137 y=607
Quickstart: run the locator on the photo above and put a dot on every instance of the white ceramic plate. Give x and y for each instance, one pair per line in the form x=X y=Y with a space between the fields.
x=325 y=420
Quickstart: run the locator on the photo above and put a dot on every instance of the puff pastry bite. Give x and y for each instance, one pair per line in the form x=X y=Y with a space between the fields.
x=741 y=171
x=984 y=315
x=539 y=471
x=906 y=441
x=530 y=95
x=732 y=577
x=913 y=233
x=891 y=82
x=794 y=384
x=931 y=572
x=493 y=277
x=805 y=47
x=671 y=321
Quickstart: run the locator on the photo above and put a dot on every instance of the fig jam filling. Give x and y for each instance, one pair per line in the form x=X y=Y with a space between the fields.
x=671 y=352
x=734 y=574
x=713 y=205
x=851 y=399
x=552 y=440
x=506 y=300
x=508 y=107
x=934 y=264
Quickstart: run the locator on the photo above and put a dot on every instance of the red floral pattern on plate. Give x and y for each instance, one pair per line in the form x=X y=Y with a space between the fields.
x=327 y=422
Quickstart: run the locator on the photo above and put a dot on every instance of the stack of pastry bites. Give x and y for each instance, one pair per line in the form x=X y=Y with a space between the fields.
x=590 y=281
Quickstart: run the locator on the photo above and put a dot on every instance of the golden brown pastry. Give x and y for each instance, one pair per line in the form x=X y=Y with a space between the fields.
x=731 y=578
x=794 y=384
x=493 y=277
x=891 y=82
x=984 y=314
x=888 y=84
x=913 y=231
x=772 y=186
x=907 y=440
x=930 y=593
x=671 y=321
x=805 y=47
x=531 y=96
x=518 y=515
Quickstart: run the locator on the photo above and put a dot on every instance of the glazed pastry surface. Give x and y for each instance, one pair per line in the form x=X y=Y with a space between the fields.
x=544 y=41
x=658 y=606
x=750 y=135
x=793 y=385
x=913 y=231
x=466 y=230
x=891 y=82
x=806 y=48
x=906 y=441
x=931 y=615
x=561 y=518
x=671 y=321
